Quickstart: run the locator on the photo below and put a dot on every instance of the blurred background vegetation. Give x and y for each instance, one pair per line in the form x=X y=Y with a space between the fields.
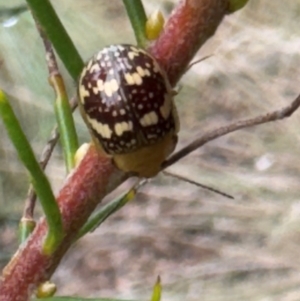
x=205 y=247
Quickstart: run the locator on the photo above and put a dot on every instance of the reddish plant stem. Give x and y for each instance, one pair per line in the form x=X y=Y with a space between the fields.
x=187 y=29
x=89 y=183
x=190 y=25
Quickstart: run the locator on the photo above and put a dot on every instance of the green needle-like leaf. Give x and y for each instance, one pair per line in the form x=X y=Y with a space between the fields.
x=64 y=117
x=235 y=5
x=38 y=178
x=79 y=299
x=136 y=13
x=55 y=31
x=156 y=294
x=99 y=217
x=26 y=227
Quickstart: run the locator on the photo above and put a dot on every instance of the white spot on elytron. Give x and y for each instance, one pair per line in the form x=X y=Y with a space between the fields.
x=106 y=58
x=119 y=98
x=140 y=106
x=150 y=136
x=99 y=55
x=147 y=72
x=107 y=89
x=83 y=73
x=133 y=141
x=151 y=95
x=122 y=112
x=115 y=113
x=132 y=54
x=100 y=85
x=129 y=79
x=123 y=67
x=156 y=67
x=102 y=64
x=114 y=85
x=91 y=110
x=140 y=71
x=89 y=85
x=100 y=109
x=111 y=144
x=149 y=119
x=165 y=109
x=122 y=127
x=122 y=142
x=137 y=79
x=89 y=65
x=83 y=93
x=95 y=68
x=117 y=53
x=140 y=51
x=108 y=64
x=110 y=87
x=111 y=71
x=102 y=129
x=134 y=91
x=145 y=98
x=148 y=65
x=95 y=90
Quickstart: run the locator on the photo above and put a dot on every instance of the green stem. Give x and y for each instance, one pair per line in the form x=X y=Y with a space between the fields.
x=55 y=31
x=67 y=131
x=235 y=5
x=26 y=227
x=136 y=13
x=156 y=294
x=38 y=178
x=99 y=217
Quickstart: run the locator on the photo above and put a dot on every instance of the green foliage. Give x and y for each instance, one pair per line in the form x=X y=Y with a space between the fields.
x=137 y=17
x=38 y=178
x=79 y=299
x=55 y=31
x=100 y=216
x=235 y=5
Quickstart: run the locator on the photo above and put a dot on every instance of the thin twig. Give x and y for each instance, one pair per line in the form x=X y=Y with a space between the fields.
x=54 y=76
x=63 y=113
x=44 y=159
x=45 y=14
x=221 y=131
x=183 y=178
x=198 y=61
x=37 y=177
x=50 y=56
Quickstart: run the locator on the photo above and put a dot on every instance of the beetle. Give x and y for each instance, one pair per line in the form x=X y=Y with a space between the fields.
x=127 y=103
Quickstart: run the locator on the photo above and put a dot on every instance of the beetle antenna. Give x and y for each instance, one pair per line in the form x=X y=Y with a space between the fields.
x=185 y=179
x=197 y=61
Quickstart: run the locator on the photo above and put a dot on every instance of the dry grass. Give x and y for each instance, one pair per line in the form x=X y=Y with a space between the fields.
x=205 y=247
